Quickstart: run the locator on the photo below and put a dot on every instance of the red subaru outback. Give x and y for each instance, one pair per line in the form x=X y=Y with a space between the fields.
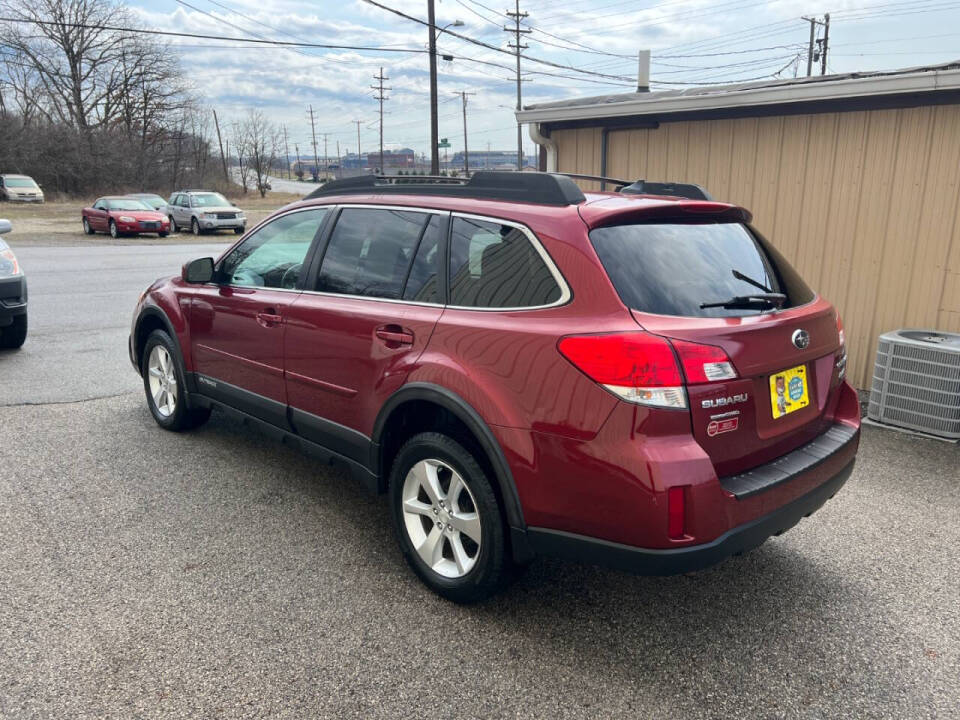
x=634 y=380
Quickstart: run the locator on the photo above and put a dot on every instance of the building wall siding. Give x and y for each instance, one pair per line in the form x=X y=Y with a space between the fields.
x=866 y=205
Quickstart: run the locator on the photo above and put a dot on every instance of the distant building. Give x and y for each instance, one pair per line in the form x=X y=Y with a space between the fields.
x=491 y=160
x=405 y=158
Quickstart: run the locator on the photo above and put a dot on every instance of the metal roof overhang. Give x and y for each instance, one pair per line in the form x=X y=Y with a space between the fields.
x=905 y=89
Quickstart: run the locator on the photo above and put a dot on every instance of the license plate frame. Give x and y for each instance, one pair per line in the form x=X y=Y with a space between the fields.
x=793 y=395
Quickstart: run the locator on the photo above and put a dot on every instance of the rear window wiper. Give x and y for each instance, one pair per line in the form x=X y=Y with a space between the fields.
x=748 y=301
x=747 y=279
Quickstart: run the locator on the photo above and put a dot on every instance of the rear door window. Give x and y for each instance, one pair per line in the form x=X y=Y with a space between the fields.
x=673 y=268
x=496 y=266
x=371 y=251
x=421 y=283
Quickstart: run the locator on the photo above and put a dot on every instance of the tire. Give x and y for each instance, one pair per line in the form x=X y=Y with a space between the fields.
x=162 y=234
x=173 y=225
x=87 y=228
x=238 y=231
x=195 y=227
x=13 y=336
x=167 y=376
x=114 y=233
x=480 y=566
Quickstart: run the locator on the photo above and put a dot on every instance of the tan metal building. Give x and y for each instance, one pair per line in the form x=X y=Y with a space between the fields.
x=855 y=178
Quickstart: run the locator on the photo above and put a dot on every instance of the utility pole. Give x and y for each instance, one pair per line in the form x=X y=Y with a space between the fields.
x=359 y=163
x=823 y=47
x=466 y=155
x=339 y=161
x=434 y=123
x=286 y=150
x=299 y=169
x=326 y=158
x=516 y=45
x=313 y=128
x=817 y=48
x=381 y=97
x=223 y=157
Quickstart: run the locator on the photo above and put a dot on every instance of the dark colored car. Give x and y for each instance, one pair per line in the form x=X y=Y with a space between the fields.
x=13 y=296
x=637 y=381
x=154 y=201
x=119 y=215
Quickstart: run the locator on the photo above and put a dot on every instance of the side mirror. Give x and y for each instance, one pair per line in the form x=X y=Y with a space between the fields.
x=5 y=227
x=198 y=271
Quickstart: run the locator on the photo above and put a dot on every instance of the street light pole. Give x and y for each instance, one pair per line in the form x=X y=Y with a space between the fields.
x=434 y=124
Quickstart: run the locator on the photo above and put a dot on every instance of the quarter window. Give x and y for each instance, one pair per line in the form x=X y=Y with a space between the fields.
x=370 y=252
x=273 y=256
x=422 y=281
x=496 y=266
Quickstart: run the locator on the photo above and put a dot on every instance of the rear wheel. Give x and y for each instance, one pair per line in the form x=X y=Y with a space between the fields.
x=447 y=519
x=164 y=384
x=87 y=228
x=13 y=336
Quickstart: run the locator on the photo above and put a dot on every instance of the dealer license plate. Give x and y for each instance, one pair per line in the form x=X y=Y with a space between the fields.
x=789 y=391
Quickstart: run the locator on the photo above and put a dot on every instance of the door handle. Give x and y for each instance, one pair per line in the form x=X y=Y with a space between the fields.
x=394 y=335
x=269 y=318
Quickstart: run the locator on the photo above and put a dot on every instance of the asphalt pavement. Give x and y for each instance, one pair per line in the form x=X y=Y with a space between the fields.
x=220 y=574
x=81 y=302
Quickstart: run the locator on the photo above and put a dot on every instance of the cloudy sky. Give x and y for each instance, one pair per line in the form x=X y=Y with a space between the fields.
x=692 y=42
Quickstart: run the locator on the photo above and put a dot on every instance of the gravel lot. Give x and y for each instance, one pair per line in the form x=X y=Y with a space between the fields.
x=58 y=223
x=220 y=574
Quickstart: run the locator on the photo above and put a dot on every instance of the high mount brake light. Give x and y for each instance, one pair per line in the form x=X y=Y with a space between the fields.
x=704 y=363
x=642 y=368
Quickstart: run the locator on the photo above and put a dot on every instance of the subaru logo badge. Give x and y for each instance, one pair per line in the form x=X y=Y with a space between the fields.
x=801 y=339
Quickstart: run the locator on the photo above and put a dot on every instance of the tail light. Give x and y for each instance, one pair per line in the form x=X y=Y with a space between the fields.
x=704 y=363
x=643 y=368
x=638 y=367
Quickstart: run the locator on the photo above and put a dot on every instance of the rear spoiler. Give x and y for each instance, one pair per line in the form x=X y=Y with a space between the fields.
x=691 y=211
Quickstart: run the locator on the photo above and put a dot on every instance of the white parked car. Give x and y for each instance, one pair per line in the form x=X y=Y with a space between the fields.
x=202 y=211
x=20 y=188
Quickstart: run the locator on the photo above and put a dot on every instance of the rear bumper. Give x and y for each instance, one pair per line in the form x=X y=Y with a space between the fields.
x=13 y=299
x=692 y=557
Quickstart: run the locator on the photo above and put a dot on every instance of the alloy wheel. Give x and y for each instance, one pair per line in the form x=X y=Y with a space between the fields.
x=163 y=381
x=195 y=226
x=441 y=519
x=113 y=230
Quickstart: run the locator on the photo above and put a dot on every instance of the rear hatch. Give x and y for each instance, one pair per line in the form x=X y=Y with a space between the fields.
x=784 y=350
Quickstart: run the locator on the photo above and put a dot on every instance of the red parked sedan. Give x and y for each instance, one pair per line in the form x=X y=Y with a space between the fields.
x=124 y=216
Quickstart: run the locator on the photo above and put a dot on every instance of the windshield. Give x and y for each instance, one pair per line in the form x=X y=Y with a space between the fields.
x=675 y=268
x=127 y=204
x=19 y=182
x=154 y=201
x=209 y=200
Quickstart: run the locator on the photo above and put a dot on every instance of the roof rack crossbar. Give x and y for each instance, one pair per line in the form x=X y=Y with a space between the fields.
x=531 y=187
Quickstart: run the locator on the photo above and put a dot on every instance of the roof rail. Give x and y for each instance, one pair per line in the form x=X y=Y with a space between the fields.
x=684 y=190
x=597 y=178
x=531 y=187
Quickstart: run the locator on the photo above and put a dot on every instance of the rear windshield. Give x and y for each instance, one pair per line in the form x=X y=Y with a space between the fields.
x=672 y=268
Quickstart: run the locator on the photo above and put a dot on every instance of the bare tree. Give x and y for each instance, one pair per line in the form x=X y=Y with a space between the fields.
x=263 y=140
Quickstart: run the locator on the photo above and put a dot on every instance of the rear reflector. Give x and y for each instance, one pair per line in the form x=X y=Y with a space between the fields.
x=704 y=363
x=676 y=512
x=638 y=367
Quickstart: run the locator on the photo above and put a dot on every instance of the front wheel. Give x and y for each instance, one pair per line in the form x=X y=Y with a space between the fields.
x=238 y=231
x=195 y=226
x=164 y=383
x=13 y=336
x=114 y=233
x=173 y=225
x=162 y=234
x=447 y=519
